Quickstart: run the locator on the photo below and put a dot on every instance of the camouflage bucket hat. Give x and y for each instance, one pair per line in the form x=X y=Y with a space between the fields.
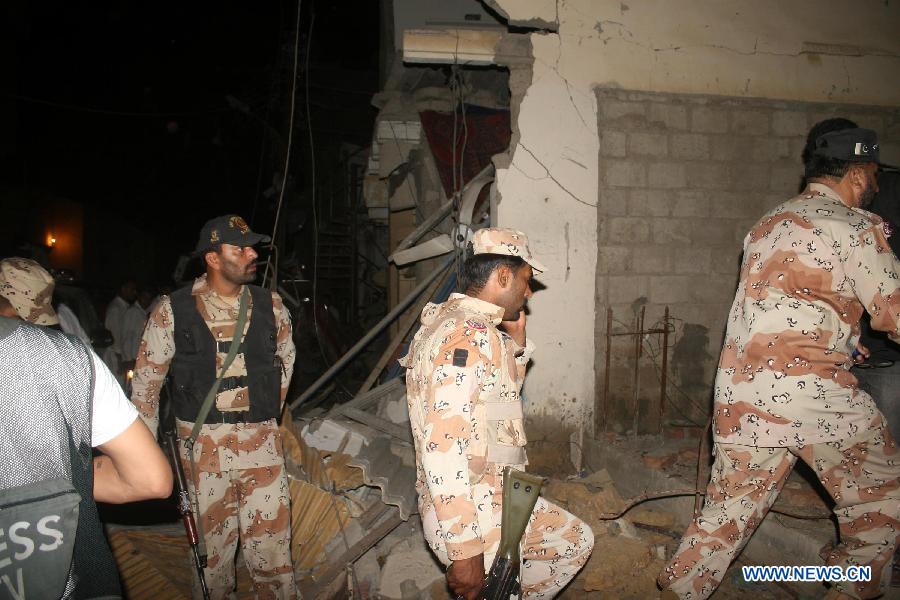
x=510 y=242
x=29 y=288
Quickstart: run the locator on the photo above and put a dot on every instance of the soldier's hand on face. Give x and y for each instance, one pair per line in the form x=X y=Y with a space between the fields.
x=516 y=329
x=466 y=576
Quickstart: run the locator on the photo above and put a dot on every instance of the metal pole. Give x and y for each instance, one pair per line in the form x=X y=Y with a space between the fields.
x=372 y=334
x=638 y=347
x=665 y=366
x=405 y=325
x=609 y=321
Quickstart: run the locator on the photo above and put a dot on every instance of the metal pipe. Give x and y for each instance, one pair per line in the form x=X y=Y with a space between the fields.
x=373 y=333
x=665 y=365
x=609 y=334
x=638 y=348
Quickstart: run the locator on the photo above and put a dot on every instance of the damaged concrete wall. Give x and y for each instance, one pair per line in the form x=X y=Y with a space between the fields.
x=550 y=183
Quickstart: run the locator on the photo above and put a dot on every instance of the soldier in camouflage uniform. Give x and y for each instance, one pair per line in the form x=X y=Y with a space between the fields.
x=466 y=367
x=240 y=477
x=783 y=387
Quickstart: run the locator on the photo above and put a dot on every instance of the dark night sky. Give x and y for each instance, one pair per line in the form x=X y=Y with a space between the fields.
x=122 y=107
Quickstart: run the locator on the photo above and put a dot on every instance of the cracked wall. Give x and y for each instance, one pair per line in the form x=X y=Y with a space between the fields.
x=550 y=182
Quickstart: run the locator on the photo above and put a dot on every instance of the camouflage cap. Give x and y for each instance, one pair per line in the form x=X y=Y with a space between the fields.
x=853 y=145
x=29 y=288
x=227 y=229
x=493 y=240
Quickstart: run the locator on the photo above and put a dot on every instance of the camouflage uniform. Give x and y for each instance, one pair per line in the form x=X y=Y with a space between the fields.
x=465 y=410
x=240 y=467
x=784 y=391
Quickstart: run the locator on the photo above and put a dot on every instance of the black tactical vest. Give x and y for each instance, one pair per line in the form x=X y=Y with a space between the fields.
x=46 y=383
x=193 y=369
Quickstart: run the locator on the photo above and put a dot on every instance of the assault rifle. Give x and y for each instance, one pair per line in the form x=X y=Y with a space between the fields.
x=520 y=493
x=187 y=513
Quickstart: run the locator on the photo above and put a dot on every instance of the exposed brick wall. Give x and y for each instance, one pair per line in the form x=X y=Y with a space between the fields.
x=682 y=179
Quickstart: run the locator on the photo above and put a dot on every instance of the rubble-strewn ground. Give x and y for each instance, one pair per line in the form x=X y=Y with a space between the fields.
x=630 y=551
x=336 y=508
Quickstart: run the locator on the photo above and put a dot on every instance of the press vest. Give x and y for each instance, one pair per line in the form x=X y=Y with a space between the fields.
x=46 y=386
x=193 y=368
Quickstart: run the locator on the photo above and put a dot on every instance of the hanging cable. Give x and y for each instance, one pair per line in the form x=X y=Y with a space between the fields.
x=287 y=156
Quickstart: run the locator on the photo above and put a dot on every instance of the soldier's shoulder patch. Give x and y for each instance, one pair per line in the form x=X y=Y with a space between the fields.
x=460 y=357
x=473 y=324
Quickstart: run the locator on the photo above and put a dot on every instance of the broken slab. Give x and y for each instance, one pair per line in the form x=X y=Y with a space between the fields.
x=410 y=570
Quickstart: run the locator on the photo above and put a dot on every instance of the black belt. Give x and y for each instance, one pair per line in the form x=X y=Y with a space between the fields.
x=233 y=383
x=230 y=417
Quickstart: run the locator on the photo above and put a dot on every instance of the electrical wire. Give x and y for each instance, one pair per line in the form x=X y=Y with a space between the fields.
x=287 y=157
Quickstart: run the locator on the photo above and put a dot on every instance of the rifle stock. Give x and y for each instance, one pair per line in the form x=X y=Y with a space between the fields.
x=520 y=493
x=187 y=513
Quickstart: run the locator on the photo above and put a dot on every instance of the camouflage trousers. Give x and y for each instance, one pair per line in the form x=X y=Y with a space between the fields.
x=555 y=546
x=862 y=475
x=253 y=505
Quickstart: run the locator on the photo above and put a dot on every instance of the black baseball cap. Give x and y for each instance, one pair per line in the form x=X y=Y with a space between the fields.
x=227 y=229
x=853 y=145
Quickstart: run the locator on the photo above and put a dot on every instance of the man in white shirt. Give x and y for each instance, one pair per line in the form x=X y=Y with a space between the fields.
x=114 y=321
x=133 y=322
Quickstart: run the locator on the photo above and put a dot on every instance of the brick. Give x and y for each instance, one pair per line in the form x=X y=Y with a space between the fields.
x=628 y=230
x=796 y=152
x=614 y=259
x=730 y=147
x=890 y=153
x=622 y=289
x=689 y=146
x=649 y=203
x=614 y=109
x=647 y=144
x=750 y=122
x=666 y=175
x=712 y=232
x=709 y=120
x=789 y=123
x=708 y=175
x=612 y=143
x=768 y=149
x=868 y=120
x=713 y=289
x=670 y=289
x=820 y=114
x=727 y=261
x=613 y=202
x=785 y=179
x=671 y=231
x=892 y=133
x=652 y=259
x=750 y=177
x=621 y=173
x=672 y=116
x=691 y=203
x=691 y=260
x=735 y=204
